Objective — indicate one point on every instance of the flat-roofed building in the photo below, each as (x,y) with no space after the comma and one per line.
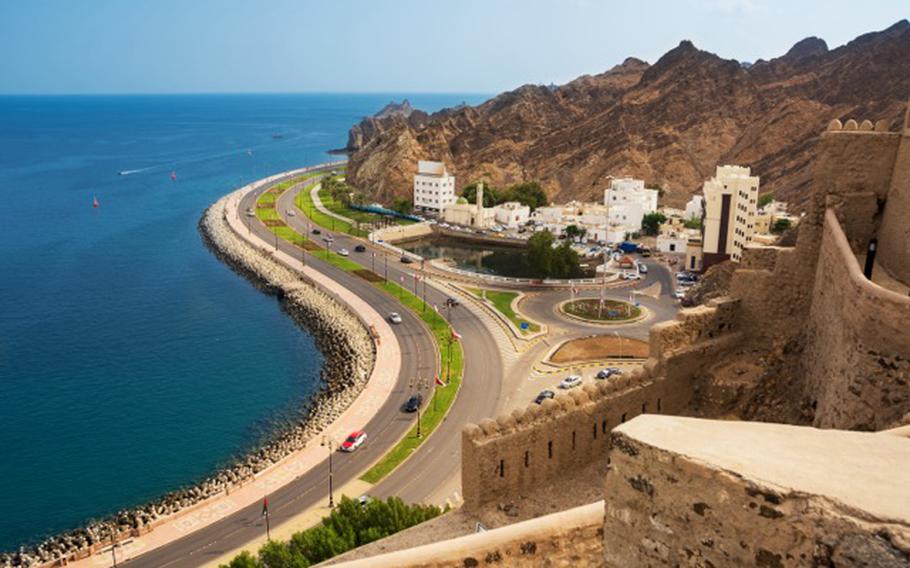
(628,202)
(434,187)
(731,198)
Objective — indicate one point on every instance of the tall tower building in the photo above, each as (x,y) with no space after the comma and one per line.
(731,199)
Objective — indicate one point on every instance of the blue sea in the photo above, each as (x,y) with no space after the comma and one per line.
(132,362)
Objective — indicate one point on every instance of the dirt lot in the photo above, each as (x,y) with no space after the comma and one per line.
(598,348)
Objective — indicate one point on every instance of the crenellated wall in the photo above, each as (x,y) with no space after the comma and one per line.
(513,454)
(857,355)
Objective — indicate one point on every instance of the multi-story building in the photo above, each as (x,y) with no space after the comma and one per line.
(434,187)
(731,198)
(628,202)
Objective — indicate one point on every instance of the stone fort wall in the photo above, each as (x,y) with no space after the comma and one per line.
(531,446)
(857,355)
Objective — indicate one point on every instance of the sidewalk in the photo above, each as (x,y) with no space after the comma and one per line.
(378,388)
(314,197)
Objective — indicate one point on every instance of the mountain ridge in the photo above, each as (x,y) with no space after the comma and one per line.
(669,122)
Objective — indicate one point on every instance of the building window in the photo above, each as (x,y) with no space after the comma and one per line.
(573,439)
(550,449)
(502,468)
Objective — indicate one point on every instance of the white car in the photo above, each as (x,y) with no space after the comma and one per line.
(394,317)
(679,294)
(642,268)
(291,213)
(354,441)
(328,238)
(631,276)
(343,252)
(250,212)
(570,382)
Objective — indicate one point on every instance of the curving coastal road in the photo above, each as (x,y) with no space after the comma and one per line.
(434,465)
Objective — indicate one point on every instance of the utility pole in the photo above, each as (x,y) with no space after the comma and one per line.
(330,442)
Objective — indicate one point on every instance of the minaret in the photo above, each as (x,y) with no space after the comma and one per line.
(478,216)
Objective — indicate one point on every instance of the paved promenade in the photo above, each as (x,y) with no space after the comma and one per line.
(379,387)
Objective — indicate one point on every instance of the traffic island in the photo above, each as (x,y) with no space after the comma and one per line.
(606,311)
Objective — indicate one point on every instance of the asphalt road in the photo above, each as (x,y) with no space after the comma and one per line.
(435,463)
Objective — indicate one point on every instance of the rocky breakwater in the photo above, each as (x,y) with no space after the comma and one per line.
(349,354)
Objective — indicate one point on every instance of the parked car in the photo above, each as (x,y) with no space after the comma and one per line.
(570,382)
(360,248)
(631,276)
(643,268)
(413,403)
(544,395)
(291,213)
(679,294)
(608,372)
(354,441)
(405,259)
(343,252)
(316,232)
(395,317)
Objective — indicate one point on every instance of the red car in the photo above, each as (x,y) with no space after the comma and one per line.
(354,441)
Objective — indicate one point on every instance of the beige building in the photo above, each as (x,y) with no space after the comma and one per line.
(434,187)
(469,214)
(731,198)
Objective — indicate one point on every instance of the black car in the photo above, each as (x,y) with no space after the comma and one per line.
(544,395)
(413,403)
(405,259)
(317,232)
(608,372)
(360,248)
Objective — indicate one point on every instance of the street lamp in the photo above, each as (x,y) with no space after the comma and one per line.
(618,337)
(330,442)
(420,384)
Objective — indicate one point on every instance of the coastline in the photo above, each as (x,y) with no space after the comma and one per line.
(350,356)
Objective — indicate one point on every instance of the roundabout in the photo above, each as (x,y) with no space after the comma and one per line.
(607,311)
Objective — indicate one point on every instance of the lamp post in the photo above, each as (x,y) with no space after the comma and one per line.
(419,384)
(330,442)
(619,338)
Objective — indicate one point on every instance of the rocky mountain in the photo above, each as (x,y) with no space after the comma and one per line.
(669,123)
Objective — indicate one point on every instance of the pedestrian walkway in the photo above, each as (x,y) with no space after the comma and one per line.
(317,202)
(377,390)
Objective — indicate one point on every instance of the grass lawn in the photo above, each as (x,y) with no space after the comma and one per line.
(437,405)
(305,204)
(502,301)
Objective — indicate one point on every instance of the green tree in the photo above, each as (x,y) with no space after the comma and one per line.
(650,223)
(573,231)
(528,193)
(765,199)
(275,554)
(781,226)
(550,262)
(692,223)
(402,205)
(490,194)
(243,560)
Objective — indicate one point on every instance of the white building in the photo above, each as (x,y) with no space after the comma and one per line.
(731,198)
(673,242)
(695,207)
(511,214)
(434,187)
(628,202)
(469,214)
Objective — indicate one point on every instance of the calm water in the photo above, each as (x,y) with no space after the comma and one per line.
(476,257)
(131,361)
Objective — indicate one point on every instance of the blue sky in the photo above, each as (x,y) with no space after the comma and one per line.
(483,46)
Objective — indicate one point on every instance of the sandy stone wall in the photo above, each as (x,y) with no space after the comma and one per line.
(894,236)
(568,538)
(689,492)
(857,357)
(510,456)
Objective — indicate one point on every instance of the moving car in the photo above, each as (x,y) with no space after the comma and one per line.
(405,259)
(316,232)
(343,252)
(643,268)
(570,382)
(291,213)
(354,441)
(360,248)
(394,317)
(608,372)
(413,403)
(250,212)
(544,395)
